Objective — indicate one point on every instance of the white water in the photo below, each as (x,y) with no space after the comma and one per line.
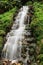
(12,48)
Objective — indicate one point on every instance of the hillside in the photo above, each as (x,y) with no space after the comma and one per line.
(9,10)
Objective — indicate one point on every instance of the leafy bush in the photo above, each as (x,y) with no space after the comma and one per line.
(37,27)
(6,5)
(2,33)
(40,57)
(6,21)
(41,50)
(37,21)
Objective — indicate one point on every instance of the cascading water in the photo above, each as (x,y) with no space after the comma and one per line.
(12,48)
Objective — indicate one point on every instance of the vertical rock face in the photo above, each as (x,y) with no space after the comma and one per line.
(29,46)
(12,48)
(21,44)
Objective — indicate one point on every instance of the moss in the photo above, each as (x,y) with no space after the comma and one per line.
(1,41)
(2,33)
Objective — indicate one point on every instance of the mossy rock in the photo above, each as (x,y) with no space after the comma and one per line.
(31,51)
(40,57)
(1,41)
(32,58)
(41,63)
(1,44)
(41,50)
(2,32)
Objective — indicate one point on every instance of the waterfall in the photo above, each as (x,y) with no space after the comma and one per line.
(13,45)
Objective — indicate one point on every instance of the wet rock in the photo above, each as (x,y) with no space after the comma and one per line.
(32,58)
(21,62)
(16,63)
(27,34)
(13,64)
(4,63)
(30,40)
(23,56)
(32,45)
(28,62)
(27,28)
(34,64)
(15,26)
(37,50)
(24,42)
(31,51)
(24,49)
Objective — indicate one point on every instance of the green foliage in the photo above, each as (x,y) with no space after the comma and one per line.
(41,50)
(2,33)
(37,27)
(40,57)
(6,5)
(41,63)
(6,21)
(37,20)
